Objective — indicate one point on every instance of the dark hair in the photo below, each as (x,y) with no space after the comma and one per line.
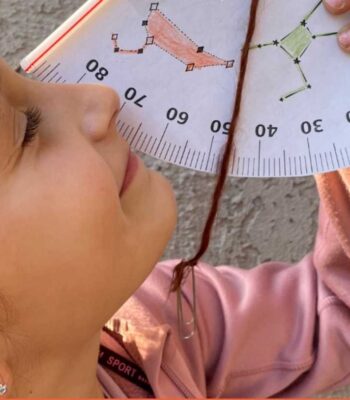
(182,269)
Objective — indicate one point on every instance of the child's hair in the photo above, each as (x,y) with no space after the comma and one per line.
(183,268)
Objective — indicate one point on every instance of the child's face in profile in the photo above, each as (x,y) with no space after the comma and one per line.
(72,248)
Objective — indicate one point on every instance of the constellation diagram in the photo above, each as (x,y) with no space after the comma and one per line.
(163,33)
(295,44)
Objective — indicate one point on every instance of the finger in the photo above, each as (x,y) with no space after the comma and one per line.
(344,38)
(337,6)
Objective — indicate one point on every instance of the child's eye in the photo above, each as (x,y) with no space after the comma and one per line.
(33,121)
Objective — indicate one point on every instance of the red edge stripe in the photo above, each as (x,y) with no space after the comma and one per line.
(65,34)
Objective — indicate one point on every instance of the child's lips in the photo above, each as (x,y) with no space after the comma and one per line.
(130,172)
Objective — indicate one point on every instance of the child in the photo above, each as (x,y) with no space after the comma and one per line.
(83,223)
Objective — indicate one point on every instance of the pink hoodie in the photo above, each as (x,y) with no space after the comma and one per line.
(277,330)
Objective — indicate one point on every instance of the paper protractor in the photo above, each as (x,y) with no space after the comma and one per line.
(175,64)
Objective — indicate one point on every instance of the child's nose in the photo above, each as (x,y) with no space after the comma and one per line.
(100,110)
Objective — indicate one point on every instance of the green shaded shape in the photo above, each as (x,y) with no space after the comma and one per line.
(296,42)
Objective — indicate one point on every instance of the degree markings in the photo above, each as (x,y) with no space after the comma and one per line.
(199,154)
(347,155)
(167,152)
(163,148)
(182,154)
(82,77)
(137,131)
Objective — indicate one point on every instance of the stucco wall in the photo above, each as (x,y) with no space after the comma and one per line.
(260,220)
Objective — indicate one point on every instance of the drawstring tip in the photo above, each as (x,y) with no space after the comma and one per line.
(183,326)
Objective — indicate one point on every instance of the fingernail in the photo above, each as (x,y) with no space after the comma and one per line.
(337,4)
(344,39)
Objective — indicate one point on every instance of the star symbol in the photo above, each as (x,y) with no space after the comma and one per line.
(297,61)
(276,42)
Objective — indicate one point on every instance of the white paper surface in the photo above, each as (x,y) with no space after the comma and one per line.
(172,65)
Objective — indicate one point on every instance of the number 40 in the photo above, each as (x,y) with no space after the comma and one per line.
(261,130)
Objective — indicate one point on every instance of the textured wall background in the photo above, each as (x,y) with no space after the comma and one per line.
(259,220)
